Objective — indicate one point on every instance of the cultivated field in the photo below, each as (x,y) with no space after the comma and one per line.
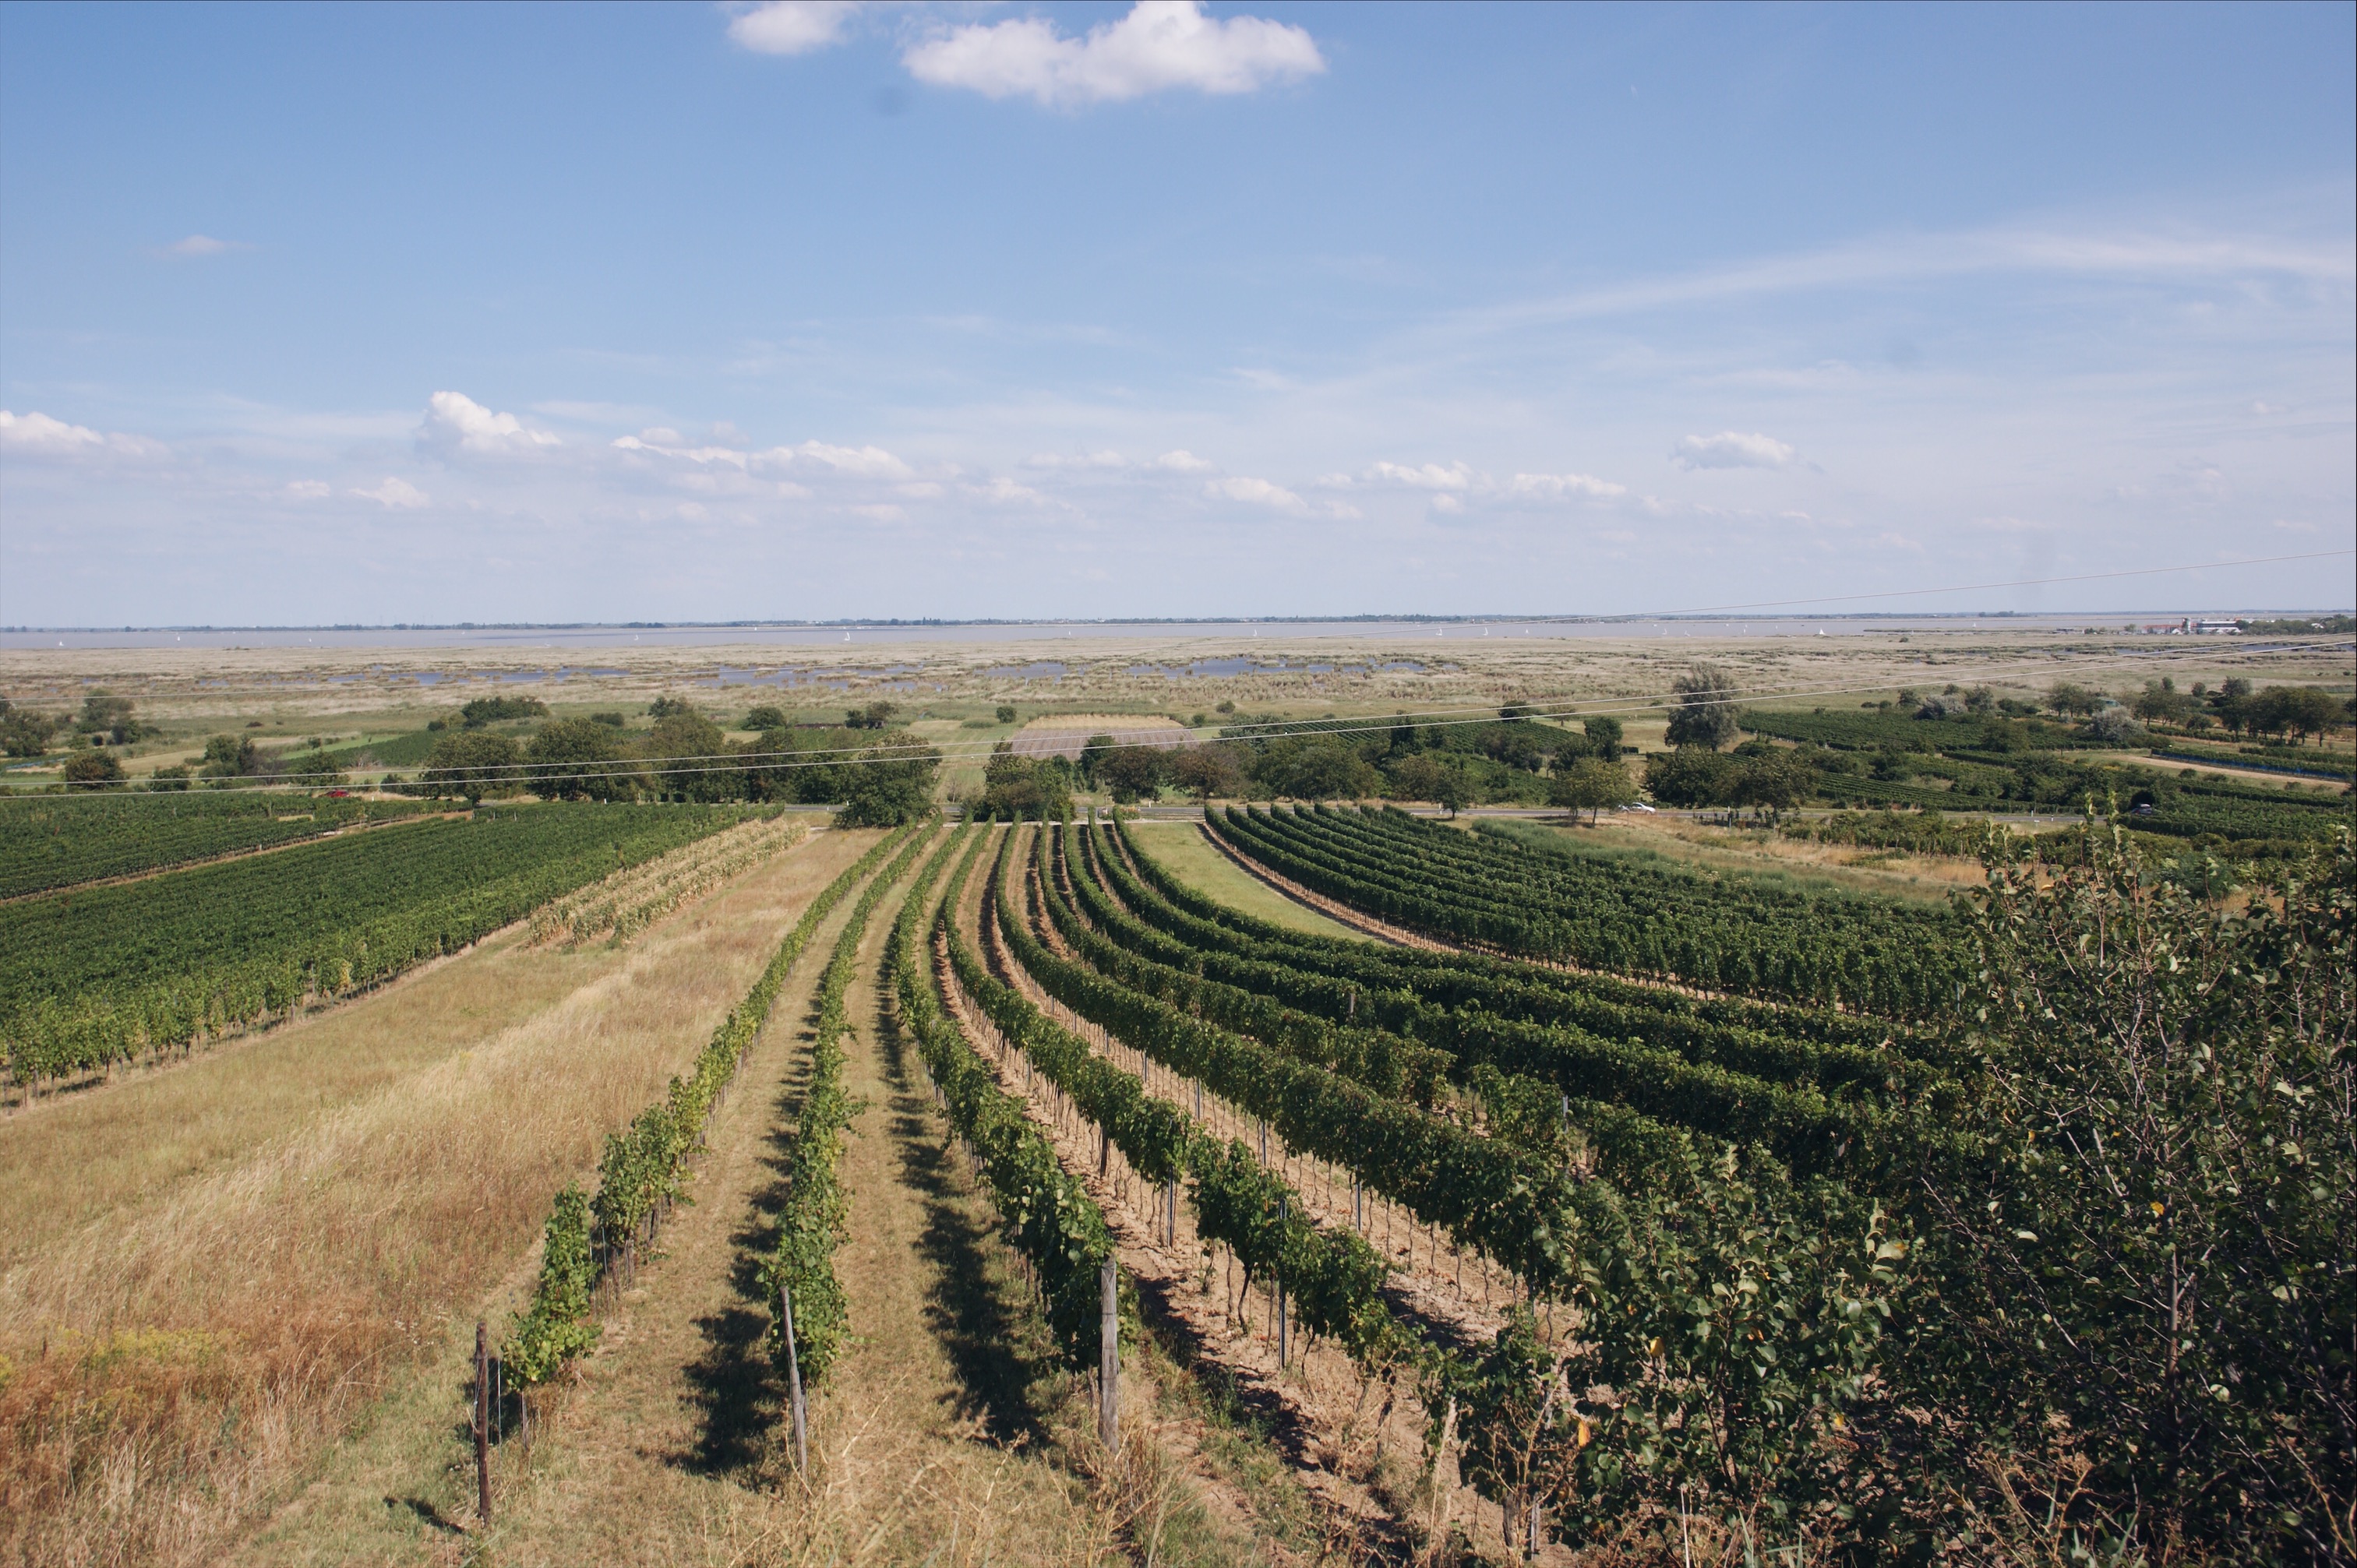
(1798,1172)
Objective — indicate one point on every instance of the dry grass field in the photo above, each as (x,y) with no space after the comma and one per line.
(193,1332)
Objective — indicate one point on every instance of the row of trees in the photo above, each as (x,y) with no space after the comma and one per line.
(2295,712)
(687,757)
(104,720)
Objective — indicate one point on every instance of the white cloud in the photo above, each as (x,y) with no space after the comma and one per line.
(1731,450)
(37,435)
(854,462)
(1105,459)
(455,423)
(1256,492)
(1425,477)
(203,245)
(1564,486)
(396,495)
(791,27)
(1448,503)
(1160,45)
(1180,462)
(671,444)
(1002,490)
(307,491)
(868,462)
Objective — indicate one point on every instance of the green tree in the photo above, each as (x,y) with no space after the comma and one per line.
(1207,772)
(2113,727)
(1775,782)
(94,770)
(1603,737)
(1094,752)
(492,710)
(1007,712)
(1024,789)
(2070,699)
(2152,1258)
(2299,710)
(1132,773)
(765,717)
(24,733)
(887,785)
(230,756)
(2161,702)
(581,760)
(1417,777)
(165,779)
(1455,791)
(1315,768)
(1692,778)
(108,715)
(313,766)
(1591,785)
(1705,715)
(689,759)
(474,764)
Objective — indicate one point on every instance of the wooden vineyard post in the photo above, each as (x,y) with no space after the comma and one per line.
(1109,1359)
(1171,1212)
(794,1383)
(483,1422)
(1282,1342)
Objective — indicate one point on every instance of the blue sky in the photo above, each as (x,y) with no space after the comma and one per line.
(442,313)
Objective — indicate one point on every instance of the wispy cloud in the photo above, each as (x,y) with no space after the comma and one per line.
(1732,449)
(396,494)
(1255,492)
(1159,46)
(1564,486)
(1910,258)
(204,245)
(1424,476)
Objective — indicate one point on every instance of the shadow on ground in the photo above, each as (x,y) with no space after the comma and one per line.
(735,1383)
(992,1344)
